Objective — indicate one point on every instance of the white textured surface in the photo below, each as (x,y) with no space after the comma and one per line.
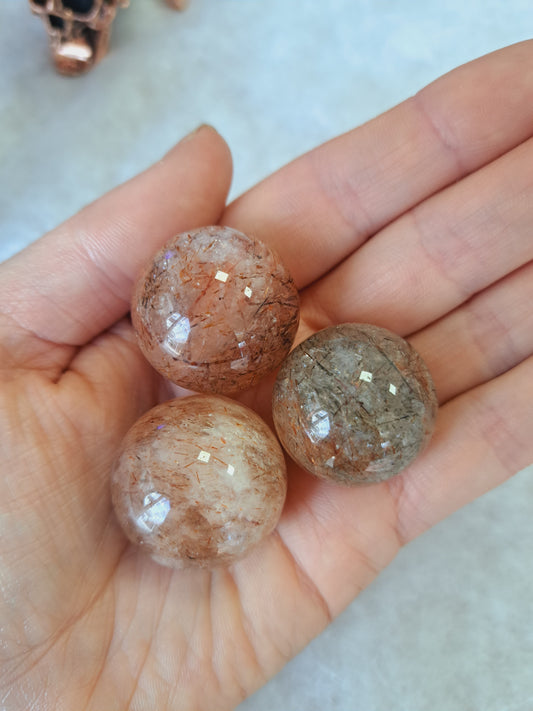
(448,627)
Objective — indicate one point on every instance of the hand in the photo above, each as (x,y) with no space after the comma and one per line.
(419,221)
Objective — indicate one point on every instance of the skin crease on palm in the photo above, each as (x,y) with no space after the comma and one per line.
(419,221)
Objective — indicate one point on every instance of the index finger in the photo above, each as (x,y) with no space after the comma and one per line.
(76,281)
(320,208)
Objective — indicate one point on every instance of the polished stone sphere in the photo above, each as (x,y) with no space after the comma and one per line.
(354,404)
(198,482)
(215,310)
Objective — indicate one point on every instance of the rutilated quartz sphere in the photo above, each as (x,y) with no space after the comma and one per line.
(198,482)
(215,310)
(354,404)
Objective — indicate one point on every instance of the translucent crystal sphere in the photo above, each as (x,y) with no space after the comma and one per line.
(199,481)
(354,403)
(215,310)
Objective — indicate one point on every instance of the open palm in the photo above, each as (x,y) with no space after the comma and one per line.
(419,221)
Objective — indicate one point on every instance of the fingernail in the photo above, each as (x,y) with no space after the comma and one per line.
(197,130)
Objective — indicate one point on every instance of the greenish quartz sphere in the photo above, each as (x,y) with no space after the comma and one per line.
(354,404)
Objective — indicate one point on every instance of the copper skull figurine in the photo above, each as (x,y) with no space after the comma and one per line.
(79,30)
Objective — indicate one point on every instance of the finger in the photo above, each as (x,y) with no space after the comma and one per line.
(320,208)
(483,437)
(483,338)
(76,281)
(343,537)
(436,256)
(488,335)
